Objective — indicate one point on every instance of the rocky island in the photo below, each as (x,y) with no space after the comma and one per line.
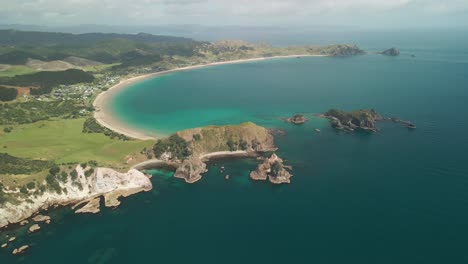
(391,52)
(363,120)
(297,119)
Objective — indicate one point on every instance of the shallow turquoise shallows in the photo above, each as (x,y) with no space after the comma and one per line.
(397,196)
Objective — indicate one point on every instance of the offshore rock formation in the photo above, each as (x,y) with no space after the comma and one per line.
(34,228)
(342,50)
(297,119)
(272,169)
(408,124)
(20,250)
(391,52)
(41,218)
(363,120)
(103,182)
(190,149)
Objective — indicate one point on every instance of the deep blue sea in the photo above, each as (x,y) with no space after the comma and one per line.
(396,196)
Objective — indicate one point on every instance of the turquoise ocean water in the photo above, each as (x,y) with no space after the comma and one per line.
(397,196)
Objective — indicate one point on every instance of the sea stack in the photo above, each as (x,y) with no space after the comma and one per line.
(272,169)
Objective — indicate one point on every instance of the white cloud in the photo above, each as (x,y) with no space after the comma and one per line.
(258,12)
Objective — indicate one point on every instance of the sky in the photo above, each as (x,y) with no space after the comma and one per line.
(356,13)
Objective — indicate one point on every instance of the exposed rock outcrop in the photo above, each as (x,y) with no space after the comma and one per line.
(391,52)
(297,119)
(34,228)
(191,169)
(272,169)
(41,218)
(407,124)
(20,250)
(103,182)
(92,207)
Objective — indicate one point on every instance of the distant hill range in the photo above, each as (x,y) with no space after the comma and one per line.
(37,59)
(33,38)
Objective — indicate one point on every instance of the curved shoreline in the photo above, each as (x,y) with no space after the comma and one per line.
(105,117)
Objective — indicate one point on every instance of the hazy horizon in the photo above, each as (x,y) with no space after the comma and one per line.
(356,14)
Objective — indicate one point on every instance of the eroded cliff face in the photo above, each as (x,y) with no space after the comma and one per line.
(103,182)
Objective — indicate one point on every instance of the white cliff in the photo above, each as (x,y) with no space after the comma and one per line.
(103,182)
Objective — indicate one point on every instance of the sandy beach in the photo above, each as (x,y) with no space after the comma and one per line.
(106,118)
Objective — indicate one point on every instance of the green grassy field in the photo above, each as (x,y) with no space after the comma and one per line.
(63,142)
(16,70)
(99,68)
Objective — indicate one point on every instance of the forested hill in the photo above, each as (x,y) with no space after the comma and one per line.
(25,38)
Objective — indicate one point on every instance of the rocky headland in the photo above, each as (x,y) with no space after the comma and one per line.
(189,150)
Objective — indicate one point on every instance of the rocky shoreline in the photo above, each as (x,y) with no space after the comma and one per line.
(104,182)
(188,151)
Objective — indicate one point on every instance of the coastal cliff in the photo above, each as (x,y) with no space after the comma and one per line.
(191,148)
(103,182)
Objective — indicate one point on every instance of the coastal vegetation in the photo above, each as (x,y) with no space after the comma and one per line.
(33,111)
(90,125)
(228,138)
(175,146)
(8,94)
(46,80)
(14,165)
